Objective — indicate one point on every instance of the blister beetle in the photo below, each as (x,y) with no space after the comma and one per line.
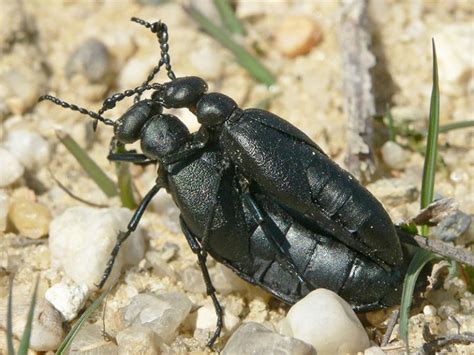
(250,233)
(282,216)
(281,160)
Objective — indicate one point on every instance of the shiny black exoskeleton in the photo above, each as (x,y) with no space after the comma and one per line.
(258,195)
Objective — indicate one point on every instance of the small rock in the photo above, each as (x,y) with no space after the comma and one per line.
(394,155)
(374,350)
(326,321)
(429,310)
(206,320)
(11,169)
(22,90)
(85,233)
(90,341)
(134,71)
(168,251)
(160,267)
(253,338)
(30,218)
(137,340)
(30,148)
(448,308)
(207,61)
(4,206)
(394,191)
(193,281)
(455,58)
(226,281)
(90,59)
(452,226)
(297,35)
(68,298)
(162,313)
(47,329)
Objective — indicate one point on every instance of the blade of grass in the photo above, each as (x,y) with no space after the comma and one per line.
(421,258)
(25,338)
(124,179)
(10,347)
(89,165)
(246,60)
(427,190)
(75,330)
(456,125)
(228,17)
(390,125)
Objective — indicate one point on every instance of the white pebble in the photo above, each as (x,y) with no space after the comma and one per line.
(254,338)
(206,320)
(374,350)
(394,155)
(90,341)
(68,298)
(193,281)
(82,238)
(326,321)
(429,310)
(30,148)
(11,169)
(207,61)
(138,340)
(4,205)
(47,328)
(134,71)
(162,313)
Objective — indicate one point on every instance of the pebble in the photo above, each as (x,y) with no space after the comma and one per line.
(454,43)
(225,281)
(451,227)
(193,281)
(91,59)
(321,318)
(21,90)
(68,298)
(11,169)
(85,233)
(47,329)
(394,191)
(207,61)
(297,35)
(206,320)
(90,341)
(4,206)
(254,338)
(134,72)
(30,148)
(429,310)
(448,308)
(374,350)
(394,155)
(160,266)
(137,340)
(30,218)
(162,313)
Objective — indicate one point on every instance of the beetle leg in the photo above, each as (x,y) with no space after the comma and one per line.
(127,156)
(261,219)
(199,142)
(132,225)
(211,291)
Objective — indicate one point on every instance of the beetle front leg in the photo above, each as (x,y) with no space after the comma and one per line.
(132,225)
(211,291)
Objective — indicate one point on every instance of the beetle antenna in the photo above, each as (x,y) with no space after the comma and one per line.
(161,31)
(95,116)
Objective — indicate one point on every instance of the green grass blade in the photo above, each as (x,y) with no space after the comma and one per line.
(245,59)
(427,190)
(228,17)
(427,187)
(10,347)
(421,258)
(25,338)
(456,125)
(124,179)
(390,125)
(89,165)
(75,330)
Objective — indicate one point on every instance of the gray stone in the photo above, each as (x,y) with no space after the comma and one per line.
(394,155)
(90,59)
(90,341)
(452,226)
(137,340)
(193,281)
(254,338)
(163,313)
(11,169)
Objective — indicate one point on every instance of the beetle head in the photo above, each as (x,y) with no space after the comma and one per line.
(181,92)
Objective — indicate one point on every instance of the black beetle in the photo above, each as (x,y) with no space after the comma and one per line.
(251,234)
(281,160)
(258,195)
